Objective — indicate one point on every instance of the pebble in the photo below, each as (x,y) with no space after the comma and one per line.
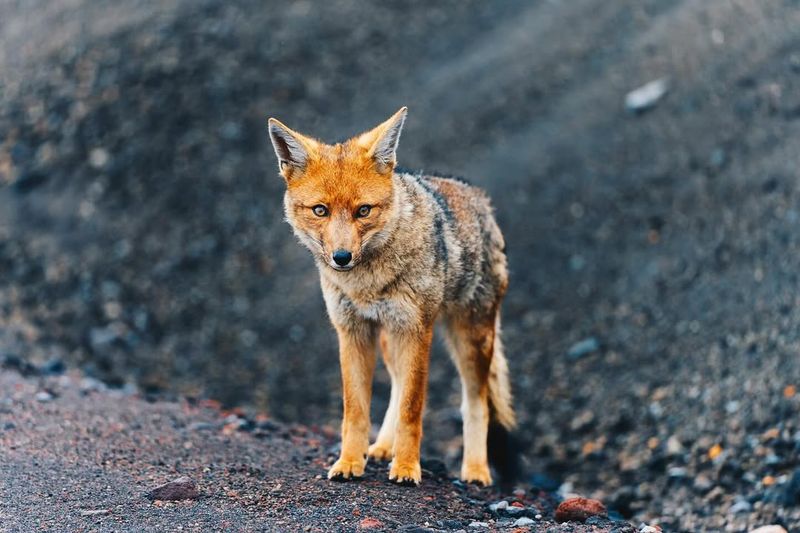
(95,512)
(582,348)
(202,426)
(524,521)
(646,96)
(579,509)
(91,385)
(769,529)
(742,506)
(674,446)
(98,158)
(477,525)
(649,529)
(370,523)
(677,472)
(499,506)
(182,488)
(702,484)
(44,396)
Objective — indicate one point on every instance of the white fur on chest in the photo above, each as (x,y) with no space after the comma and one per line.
(396,311)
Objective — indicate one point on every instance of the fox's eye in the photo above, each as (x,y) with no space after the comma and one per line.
(363,211)
(320,210)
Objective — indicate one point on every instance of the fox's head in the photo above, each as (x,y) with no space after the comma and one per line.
(339,198)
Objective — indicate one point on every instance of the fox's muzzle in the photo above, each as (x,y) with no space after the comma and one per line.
(342,257)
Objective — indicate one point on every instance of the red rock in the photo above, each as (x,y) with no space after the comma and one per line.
(579,509)
(182,488)
(370,523)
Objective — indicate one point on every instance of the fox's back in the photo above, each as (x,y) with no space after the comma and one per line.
(468,241)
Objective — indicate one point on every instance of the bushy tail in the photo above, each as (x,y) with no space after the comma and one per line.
(503,447)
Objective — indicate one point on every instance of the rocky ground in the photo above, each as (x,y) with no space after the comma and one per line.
(78,457)
(652,321)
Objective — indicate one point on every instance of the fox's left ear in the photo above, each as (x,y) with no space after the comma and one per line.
(381,142)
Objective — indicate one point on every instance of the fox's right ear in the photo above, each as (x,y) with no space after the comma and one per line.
(293,150)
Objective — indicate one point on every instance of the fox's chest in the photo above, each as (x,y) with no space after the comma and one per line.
(393,310)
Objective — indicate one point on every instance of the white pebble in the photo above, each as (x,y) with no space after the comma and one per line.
(647,95)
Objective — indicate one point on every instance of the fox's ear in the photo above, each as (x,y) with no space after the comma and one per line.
(381,142)
(293,149)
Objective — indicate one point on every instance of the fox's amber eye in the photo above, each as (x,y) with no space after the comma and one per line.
(320,210)
(363,211)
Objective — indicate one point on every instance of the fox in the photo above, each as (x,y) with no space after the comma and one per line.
(397,253)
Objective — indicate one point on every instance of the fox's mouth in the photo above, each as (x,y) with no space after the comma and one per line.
(341,268)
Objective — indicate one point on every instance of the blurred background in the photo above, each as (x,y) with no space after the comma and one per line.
(652,322)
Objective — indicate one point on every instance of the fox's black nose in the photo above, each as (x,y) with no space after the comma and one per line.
(342,257)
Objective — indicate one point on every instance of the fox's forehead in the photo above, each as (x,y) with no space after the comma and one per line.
(341,174)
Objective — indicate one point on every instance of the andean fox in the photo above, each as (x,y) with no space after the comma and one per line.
(398,252)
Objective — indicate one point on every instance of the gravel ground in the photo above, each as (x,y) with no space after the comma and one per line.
(77,457)
(652,321)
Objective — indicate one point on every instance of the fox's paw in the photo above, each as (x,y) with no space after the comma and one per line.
(380,452)
(405,473)
(476,473)
(345,469)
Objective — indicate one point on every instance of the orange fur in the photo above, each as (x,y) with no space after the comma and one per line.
(417,249)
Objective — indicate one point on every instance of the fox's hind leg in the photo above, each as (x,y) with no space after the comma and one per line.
(471,341)
(382,448)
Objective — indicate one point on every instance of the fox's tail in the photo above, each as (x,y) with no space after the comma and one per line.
(503,447)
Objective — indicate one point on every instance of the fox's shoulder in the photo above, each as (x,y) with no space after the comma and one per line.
(452,193)
(444,186)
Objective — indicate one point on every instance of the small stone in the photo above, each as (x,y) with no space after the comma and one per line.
(44,396)
(499,506)
(646,96)
(95,512)
(88,385)
(742,506)
(98,158)
(370,523)
(524,521)
(769,529)
(584,347)
(702,484)
(674,446)
(478,525)
(649,529)
(182,488)
(202,426)
(677,472)
(579,509)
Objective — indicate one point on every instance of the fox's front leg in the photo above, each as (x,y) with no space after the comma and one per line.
(357,358)
(411,351)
